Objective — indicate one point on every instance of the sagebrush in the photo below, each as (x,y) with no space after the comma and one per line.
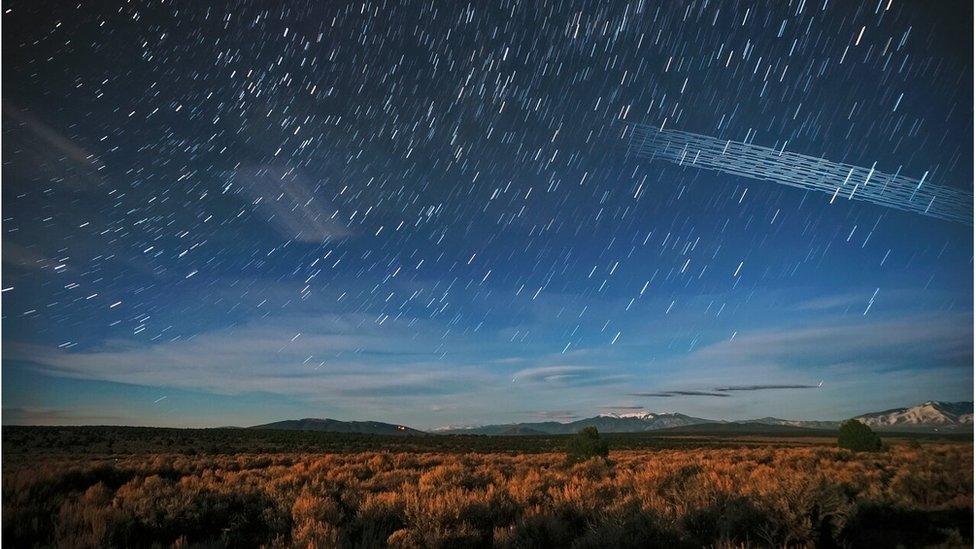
(698,497)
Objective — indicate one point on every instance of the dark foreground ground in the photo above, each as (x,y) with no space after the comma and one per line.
(141,487)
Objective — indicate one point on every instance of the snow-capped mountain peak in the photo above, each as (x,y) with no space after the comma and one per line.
(928,416)
(640,414)
(932,412)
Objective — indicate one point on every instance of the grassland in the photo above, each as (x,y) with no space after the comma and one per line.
(127,487)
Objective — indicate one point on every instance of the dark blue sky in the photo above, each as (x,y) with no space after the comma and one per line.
(426,212)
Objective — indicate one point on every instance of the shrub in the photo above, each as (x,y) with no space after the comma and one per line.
(858,437)
(787,494)
(585,445)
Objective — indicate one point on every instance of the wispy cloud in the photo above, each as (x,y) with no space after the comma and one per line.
(720,392)
(45,149)
(25,257)
(50,136)
(928,338)
(316,358)
(834,347)
(348,363)
(291,203)
(830,302)
(669,394)
(434,385)
(762,387)
(568,375)
(789,361)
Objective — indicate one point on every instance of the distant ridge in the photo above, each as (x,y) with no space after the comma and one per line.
(931,415)
(744,428)
(610,423)
(336,426)
(521,430)
(806,424)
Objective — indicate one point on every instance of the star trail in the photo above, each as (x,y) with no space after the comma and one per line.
(434,212)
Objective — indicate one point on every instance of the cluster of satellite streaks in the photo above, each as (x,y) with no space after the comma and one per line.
(427,211)
(805,172)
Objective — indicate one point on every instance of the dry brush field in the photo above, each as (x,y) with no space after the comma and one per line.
(913,494)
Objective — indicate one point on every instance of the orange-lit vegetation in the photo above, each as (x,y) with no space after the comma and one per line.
(911,493)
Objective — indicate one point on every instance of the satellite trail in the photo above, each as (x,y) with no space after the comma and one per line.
(841,181)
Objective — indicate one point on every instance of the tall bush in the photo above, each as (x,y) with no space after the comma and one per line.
(585,445)
(858,437)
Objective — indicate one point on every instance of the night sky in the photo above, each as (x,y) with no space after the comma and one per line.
(427,213)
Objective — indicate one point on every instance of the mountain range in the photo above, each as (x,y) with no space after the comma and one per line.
(607,423)
(944,415)
(336,426)
(931,416)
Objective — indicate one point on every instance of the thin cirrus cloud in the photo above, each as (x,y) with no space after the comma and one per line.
(721,392)
(918,342)
(26,257)
(291,204)
(318,358)
(397,366)
(918,338)
(434,386)
(669,394)
(576,376)
(53,145)
(762,387)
